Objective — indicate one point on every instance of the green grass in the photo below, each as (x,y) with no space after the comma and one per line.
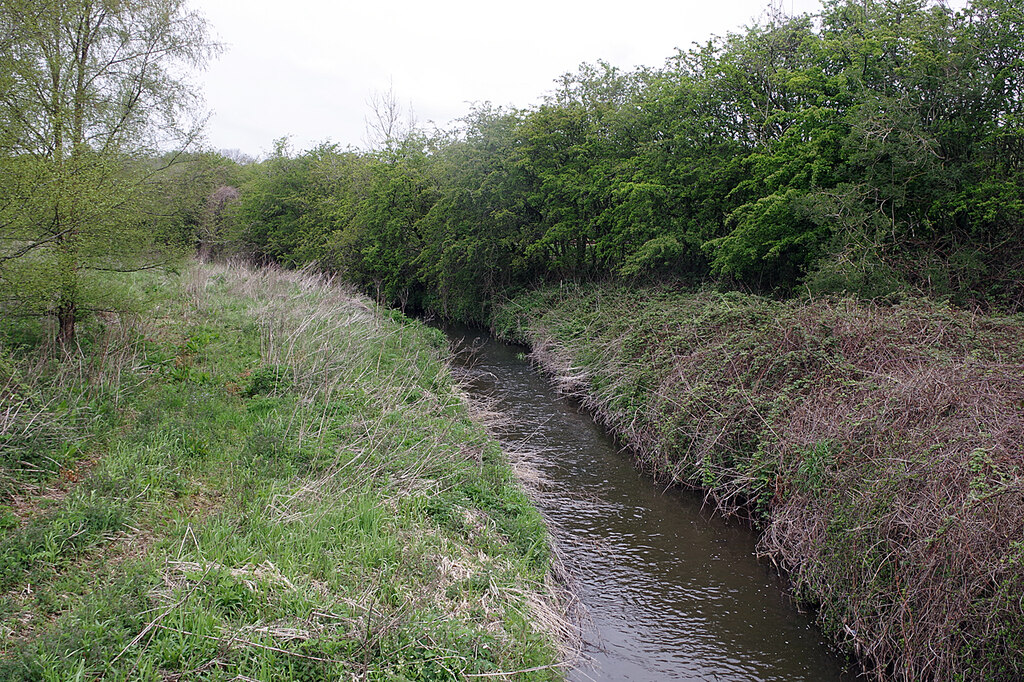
(271,481)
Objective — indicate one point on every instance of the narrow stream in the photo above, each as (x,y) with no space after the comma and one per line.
(672,591)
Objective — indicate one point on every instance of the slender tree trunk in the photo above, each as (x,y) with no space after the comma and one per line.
(67,303)
(66,314)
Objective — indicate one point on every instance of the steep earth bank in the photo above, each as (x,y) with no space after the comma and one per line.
(878,447)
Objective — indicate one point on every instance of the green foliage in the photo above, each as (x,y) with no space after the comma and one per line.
(271,207)
(656,254)
(266,380)
(872,149)
(92,92)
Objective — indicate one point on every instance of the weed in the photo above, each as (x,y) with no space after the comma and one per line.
(878,446)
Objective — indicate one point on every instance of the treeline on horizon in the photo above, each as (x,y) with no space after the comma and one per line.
(876,148)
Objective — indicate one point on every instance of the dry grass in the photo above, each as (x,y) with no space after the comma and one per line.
(334,349)
(925,472)
(880,448)
(50,425)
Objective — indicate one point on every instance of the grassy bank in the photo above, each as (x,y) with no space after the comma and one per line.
(261,478)
(879,447)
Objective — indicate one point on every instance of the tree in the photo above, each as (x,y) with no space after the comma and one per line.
(91,95)
(474,235)
(272,205)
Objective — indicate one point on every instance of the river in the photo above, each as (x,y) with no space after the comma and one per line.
(672,591)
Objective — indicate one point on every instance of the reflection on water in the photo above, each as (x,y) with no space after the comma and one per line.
(673,593)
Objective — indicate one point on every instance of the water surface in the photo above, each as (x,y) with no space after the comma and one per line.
(672,591)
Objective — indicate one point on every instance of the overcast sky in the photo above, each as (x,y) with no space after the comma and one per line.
(307,68)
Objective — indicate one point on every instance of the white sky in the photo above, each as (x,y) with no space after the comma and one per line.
(307,68)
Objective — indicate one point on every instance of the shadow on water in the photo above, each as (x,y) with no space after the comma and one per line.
(672,591)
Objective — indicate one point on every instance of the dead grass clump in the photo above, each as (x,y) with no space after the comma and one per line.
(900,490)
(51,399)
(555,609)
(880,448)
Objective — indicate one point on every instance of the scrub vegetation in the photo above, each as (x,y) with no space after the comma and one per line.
(875,149)
(879,448)
(775,265)
(263,477)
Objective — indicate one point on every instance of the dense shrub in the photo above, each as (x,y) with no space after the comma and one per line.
(878,446)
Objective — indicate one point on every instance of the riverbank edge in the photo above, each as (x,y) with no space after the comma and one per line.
(877,448)
(271,479)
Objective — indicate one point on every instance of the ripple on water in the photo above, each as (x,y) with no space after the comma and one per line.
(672,592)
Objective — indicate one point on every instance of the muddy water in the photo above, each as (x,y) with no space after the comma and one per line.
(672,591)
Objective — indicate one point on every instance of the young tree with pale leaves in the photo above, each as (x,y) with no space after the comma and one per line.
(91,93)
